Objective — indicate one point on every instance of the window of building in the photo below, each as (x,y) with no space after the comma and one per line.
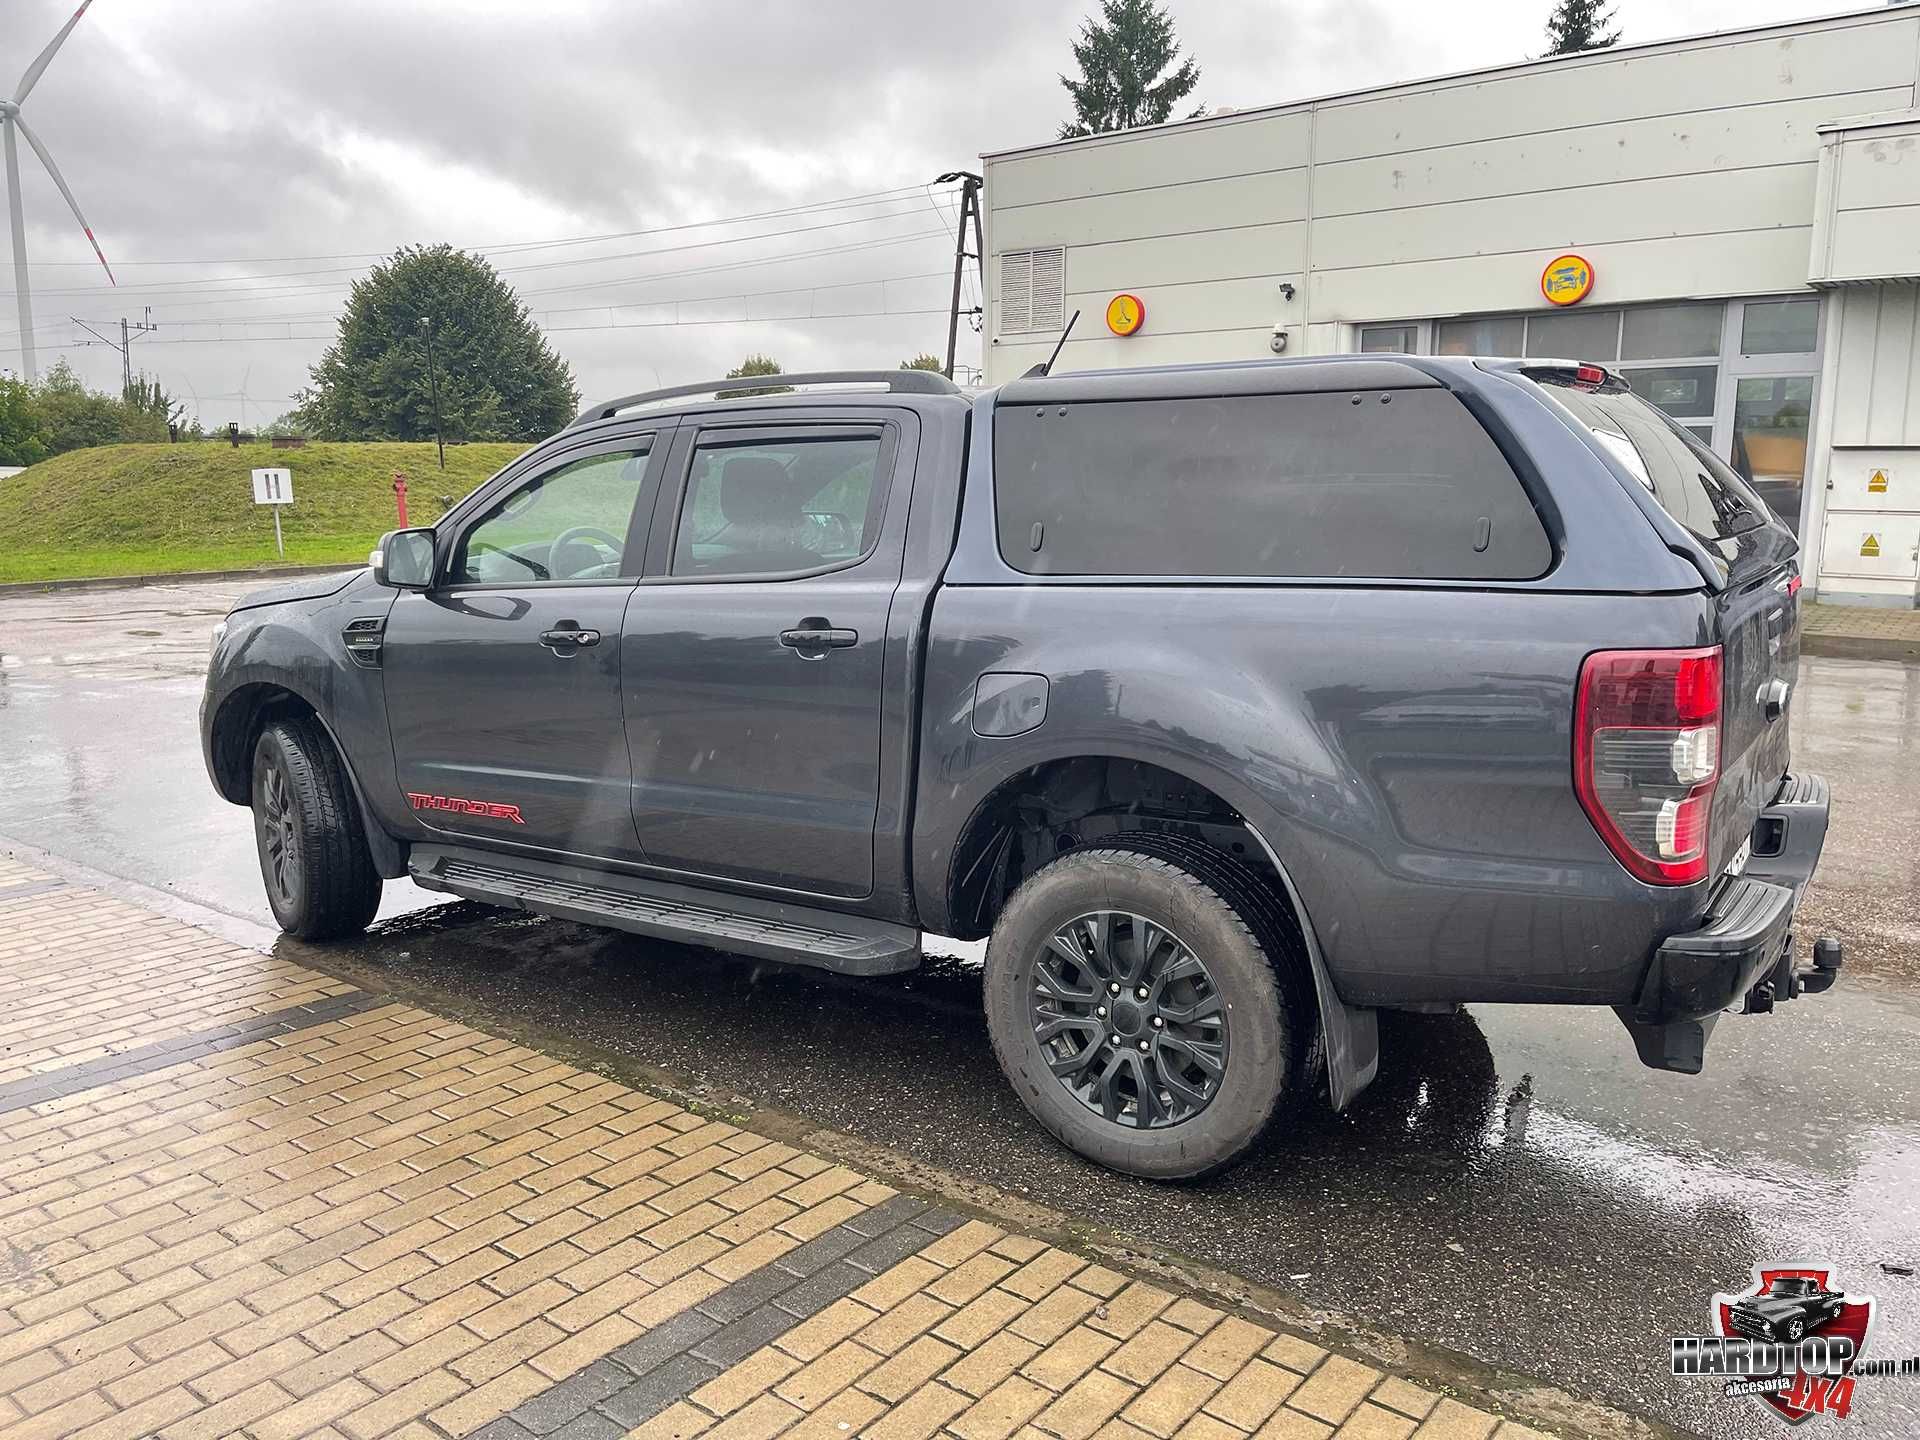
(779,506)
(1389,339)
(1780,327)
(1665,332)
(1491,335)
(1575,335)
(1262,485)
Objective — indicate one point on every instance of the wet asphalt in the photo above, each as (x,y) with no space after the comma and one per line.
(1515,1188)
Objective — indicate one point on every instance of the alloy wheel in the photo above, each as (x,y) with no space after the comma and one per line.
(1129,1019)
(279,833)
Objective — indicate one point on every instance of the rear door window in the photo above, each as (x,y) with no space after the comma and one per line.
(1690,482)
(1386,485)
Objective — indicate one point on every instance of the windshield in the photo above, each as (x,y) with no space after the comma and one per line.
(1789,1286)
(1692,484)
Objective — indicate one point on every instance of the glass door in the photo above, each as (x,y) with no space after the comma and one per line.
(1766,401)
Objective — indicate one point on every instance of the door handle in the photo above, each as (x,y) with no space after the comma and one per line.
(567,635)
(814,636)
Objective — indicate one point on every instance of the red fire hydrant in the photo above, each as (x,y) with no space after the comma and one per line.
(400,495)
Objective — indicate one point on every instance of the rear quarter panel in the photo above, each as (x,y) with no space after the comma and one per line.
(1406,752)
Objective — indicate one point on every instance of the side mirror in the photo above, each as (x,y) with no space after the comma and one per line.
(404,559)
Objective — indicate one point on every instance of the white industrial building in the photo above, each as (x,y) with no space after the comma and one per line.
(1743,209)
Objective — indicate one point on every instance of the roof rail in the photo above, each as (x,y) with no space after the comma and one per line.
(913,382)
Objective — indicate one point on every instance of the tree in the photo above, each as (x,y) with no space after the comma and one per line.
(73,416)
(146,410)
(1577,25)
(498,378)
(751,366)
(1123,57)
(925,362)
(23,433)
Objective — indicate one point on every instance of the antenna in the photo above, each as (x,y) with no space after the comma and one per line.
(1059,345)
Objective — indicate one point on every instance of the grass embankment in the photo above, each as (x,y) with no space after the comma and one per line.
(149,509)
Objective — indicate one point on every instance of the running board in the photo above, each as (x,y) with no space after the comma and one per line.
(747,925)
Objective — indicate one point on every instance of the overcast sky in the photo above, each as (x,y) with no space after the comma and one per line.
(292,142)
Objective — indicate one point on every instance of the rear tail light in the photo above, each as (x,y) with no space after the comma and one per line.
(1646,756)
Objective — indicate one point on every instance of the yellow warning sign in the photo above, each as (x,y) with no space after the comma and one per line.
(1870,547)
(1877,483)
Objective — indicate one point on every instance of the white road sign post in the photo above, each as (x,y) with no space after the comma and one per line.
(274,486)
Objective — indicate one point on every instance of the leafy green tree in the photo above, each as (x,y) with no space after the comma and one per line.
(498,379)
(1127,72)
(756,365)
(1577,25)
(925,362)
(75,417)
(145,410)
(23,434)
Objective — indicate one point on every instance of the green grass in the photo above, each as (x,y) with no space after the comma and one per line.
(153,509)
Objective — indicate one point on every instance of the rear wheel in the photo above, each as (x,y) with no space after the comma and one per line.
(320,879)
(1142,1001)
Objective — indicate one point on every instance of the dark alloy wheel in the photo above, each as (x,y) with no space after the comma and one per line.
(1130,1019)
(319,874)
(1146,1000)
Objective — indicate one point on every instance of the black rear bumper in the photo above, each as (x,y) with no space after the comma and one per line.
(1742,952)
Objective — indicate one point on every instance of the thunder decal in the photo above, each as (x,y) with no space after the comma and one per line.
(491,809)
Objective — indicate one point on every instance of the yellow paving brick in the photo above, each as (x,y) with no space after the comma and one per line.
(761,1420)
(1149,1352)
(819,1333)
(820,1380)
(894,1284)
(911,1317)
(764,1249)
(988,1364)
(1190,1314)
(1251,1396)
(1069,1357)
(1290,1424)
(1204,1427)
(961,1244)
(679,1421)
(822,1217)
(1450,1420)
(918,1416)
(1336,1386)
(244,1373)
(305,1418)
(1056,1314)
(1100,1281)
(412,1361)
(517,1347)
(1001,1411)
(847,1413)
(1046,1271)
(1126,1313)
(1375,1422)
(409,1402)
(912,1367)
(486,1402)
(1227,1347)
(733,1388)
(1404,1396)
(967,1279)
(983,1317)
(1093,1400)
(1298,1355)
(669,1300)
(584,1347)
(1169,1402)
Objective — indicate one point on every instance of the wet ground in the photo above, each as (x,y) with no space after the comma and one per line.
(1515,1188)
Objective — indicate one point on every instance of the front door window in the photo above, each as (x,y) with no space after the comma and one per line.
(1770,418)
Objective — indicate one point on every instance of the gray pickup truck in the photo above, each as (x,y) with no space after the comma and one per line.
(1234,703)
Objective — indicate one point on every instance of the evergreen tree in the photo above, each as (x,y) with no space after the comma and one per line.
(1125,56)
(756,365)
(1577,25)
(498,378)
(925,362)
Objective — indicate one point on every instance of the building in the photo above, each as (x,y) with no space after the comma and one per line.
(1733,221)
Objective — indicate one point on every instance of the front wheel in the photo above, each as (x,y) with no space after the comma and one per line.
(1142,1001)
(320,879)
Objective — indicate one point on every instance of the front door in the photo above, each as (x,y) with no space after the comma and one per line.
(503,681)
(755,651)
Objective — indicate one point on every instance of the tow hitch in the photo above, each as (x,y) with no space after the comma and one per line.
(1787,983)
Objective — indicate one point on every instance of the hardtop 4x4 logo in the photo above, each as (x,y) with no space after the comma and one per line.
(1791,1340)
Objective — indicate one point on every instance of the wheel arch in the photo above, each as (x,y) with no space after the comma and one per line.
(1038,811)
(237,723)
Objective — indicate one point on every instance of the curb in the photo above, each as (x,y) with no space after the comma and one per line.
(1861,647)
(123,582)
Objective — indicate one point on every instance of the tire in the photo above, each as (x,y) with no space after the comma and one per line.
(1216,911)
(1796,1330)
(320,879)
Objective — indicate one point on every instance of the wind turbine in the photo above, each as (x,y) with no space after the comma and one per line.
(11,120)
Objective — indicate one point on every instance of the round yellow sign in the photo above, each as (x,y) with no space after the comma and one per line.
(1125,314)
(1567,280)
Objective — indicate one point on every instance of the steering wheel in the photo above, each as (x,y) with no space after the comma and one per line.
(583,532)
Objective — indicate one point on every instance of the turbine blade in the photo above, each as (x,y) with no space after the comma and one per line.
(72,204)
(45,57)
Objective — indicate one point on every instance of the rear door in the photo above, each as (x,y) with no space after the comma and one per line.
(503,680)
(754,655)
(1757,611)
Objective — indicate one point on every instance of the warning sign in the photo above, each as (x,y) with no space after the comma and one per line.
(1870,547)
(1877,483)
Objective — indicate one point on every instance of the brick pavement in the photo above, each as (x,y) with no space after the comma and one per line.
(238,1197)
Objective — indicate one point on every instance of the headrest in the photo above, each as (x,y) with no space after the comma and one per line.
(755,492)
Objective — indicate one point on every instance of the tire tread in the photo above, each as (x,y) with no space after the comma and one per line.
(340,885)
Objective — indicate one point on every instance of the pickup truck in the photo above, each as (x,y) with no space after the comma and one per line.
(1233,703)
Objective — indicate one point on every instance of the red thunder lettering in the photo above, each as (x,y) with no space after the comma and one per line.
(490,809)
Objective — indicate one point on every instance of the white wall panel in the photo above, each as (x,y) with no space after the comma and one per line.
(1139,265)
(1170,210)
(1865,53)
(1103,351)
(1152,157)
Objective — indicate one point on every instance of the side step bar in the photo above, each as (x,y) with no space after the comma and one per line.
(747,925)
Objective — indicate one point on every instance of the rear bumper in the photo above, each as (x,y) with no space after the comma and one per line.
(1742,952)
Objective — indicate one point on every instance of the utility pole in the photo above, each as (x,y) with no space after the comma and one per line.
(433,379)
(969,208)
(130,331)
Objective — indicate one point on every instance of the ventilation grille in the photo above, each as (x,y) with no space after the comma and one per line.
(1033,290)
